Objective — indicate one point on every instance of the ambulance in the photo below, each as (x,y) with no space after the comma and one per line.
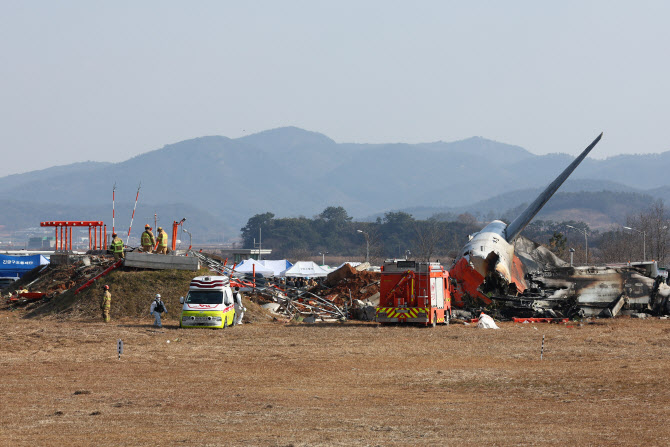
(208,304)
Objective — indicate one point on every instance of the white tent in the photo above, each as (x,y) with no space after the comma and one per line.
(351,263)
(328,268)
(305,269)
(277,266)
(247,266)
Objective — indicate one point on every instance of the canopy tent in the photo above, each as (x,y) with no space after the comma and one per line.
(277,266)
(354,264)
(328,268)
(247,266)
(18,265)
(305,269)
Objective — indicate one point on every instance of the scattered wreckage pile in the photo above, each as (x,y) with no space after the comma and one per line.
(339,297)
(347,293)
(555,290)
(591,291)
(558,290)
(48,281)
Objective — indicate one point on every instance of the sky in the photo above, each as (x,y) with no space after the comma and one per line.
(105,81)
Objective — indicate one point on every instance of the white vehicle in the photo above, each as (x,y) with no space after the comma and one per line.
(209,303)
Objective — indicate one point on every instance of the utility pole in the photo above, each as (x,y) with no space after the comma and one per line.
(260,243)
(367,245)
(586,239)
(644,242)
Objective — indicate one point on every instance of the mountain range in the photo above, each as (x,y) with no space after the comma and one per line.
(217,183)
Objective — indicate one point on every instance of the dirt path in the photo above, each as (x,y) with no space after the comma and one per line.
(352,384)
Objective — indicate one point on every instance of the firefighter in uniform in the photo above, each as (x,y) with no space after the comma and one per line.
(117,247)
(148,240)
(162,241)
(106,304)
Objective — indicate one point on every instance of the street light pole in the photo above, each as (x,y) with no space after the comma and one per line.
(190,239)
(586,239)
(323,258)
(367,245)
(644,242)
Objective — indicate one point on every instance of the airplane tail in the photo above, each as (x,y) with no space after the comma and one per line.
(524,218)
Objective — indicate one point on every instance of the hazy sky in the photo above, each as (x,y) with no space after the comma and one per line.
(104,81)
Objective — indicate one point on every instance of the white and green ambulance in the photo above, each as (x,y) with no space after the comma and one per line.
(208,304)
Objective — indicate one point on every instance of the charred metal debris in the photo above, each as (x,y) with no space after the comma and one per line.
(589,291)
(347,293)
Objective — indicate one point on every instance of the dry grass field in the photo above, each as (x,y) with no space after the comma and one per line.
(272,384)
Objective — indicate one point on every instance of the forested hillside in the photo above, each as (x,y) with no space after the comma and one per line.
(291,172)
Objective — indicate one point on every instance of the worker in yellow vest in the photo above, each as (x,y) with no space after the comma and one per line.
(116,247)
(148,240)
(106,304)
(162,241)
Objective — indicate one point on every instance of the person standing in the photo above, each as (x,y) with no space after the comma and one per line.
(162,241)
(156,309)
(148,240)
(239,307)
(116,247)
(106,304)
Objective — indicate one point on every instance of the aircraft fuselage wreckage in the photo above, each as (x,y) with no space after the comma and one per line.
(488,265)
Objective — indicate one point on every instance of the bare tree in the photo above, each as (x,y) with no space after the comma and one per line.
(467,218)
(428,237)
(658,232)
(376,246)
(650,230)
(647,237)
(616,246)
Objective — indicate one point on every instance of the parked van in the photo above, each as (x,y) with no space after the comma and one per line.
(209,303)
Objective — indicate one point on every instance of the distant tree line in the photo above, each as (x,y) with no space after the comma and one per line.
(400,235)
(397,234)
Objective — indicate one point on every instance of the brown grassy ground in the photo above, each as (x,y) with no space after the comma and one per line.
(272,384)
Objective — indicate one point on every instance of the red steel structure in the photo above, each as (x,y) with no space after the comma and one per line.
(64,243)
(175,232)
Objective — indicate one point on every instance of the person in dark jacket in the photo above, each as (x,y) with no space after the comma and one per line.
(157,308)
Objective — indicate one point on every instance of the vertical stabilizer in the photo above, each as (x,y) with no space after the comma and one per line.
(524,218)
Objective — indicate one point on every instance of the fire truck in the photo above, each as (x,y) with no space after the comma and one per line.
(414,292)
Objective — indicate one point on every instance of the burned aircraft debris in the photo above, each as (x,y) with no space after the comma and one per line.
(590,291)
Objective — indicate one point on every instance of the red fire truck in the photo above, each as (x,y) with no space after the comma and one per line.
(414,292)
